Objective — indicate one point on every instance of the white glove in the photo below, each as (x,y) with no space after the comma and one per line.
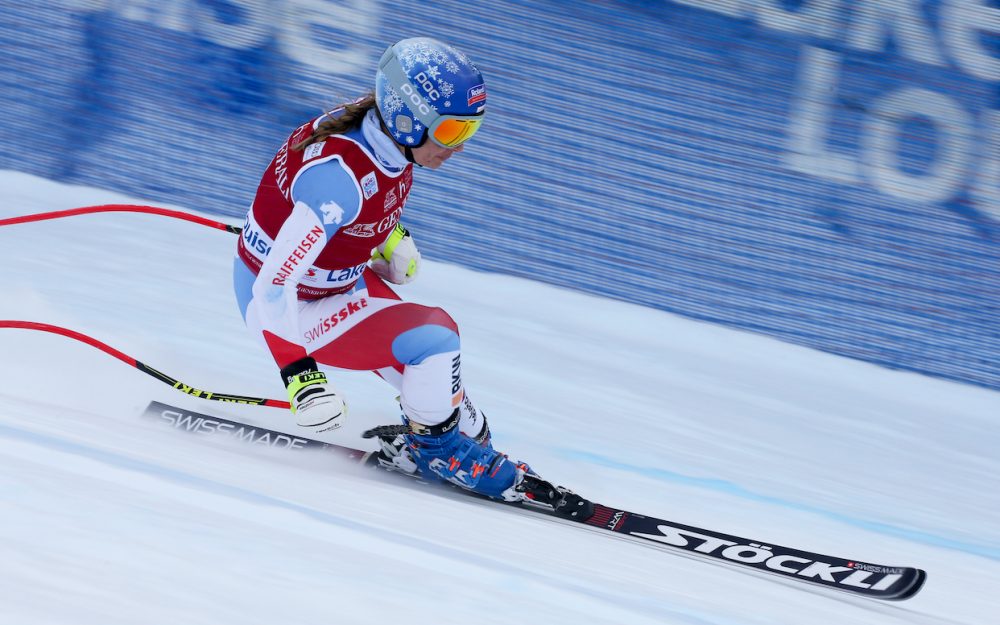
(315,402)
(397,259)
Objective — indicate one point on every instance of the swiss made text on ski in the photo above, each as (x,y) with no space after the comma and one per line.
(854,576)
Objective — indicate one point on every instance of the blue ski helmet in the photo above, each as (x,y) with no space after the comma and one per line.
(426,88)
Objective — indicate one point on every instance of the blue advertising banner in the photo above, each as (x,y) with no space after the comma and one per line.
(823,171)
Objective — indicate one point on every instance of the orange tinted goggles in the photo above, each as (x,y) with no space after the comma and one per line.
(452,131)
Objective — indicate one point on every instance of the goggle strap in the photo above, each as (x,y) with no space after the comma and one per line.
(392,68)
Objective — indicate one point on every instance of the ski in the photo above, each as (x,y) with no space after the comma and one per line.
(853,576)
(861,578)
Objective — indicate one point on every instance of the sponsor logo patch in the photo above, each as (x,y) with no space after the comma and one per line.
(373,229)
(369,185)
(365,231)
(312,151)
(390,199)
(477,94)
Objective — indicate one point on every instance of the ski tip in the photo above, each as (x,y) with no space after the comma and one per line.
(918,582)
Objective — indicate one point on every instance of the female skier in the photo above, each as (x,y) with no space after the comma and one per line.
(324,234)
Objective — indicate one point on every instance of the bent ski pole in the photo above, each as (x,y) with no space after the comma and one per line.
(121,208)
(162,377)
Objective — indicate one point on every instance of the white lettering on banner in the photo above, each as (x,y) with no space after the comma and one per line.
(251,30)
(954,146)
(168,15)
(965,153)
(248,26)
(816,18)
(305,27)
(986,189)
(732,8)
(868,25)
(874,22)
(961,36)
(299,26)
(809,117)
(963,24)
(878,146)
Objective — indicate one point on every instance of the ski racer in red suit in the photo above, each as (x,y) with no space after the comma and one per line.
(324,234)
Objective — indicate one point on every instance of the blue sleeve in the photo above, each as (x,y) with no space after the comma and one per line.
(331,191)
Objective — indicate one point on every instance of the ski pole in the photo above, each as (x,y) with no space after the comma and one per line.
(121,208)
(166,379)
(162,377)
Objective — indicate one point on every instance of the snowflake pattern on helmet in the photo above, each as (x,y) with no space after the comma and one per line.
(447,80)
(427,53)
(390,104)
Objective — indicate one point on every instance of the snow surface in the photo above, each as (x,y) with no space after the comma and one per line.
(106,518)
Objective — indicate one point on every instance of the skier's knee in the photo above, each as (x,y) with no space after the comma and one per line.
(420,343)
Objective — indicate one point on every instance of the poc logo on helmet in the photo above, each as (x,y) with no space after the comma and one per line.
(424,81)
(415,99)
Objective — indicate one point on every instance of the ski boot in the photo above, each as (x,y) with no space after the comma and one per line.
(394,452)
(442,452)
(402,450)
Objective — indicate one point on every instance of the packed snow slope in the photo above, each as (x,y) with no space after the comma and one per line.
(106,518)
